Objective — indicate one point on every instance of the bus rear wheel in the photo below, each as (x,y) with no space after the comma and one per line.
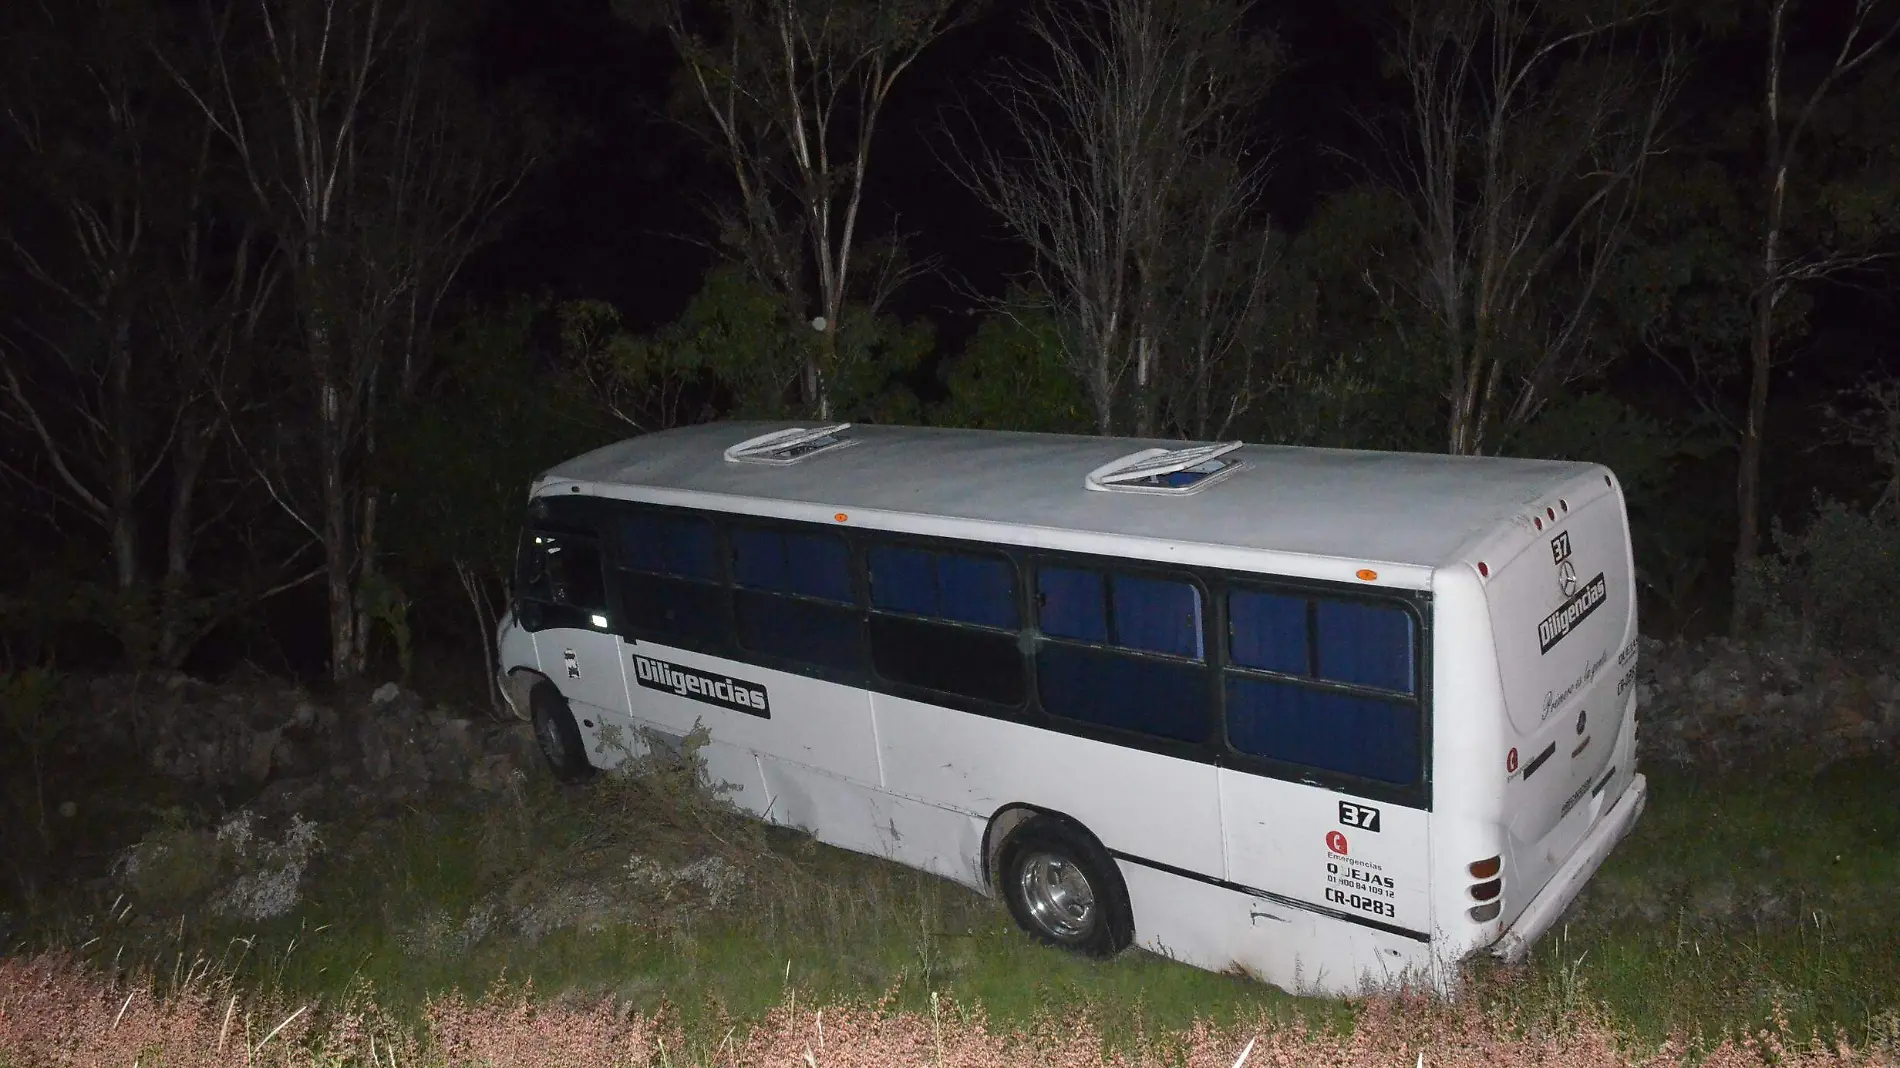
(1063,889)
(557,735)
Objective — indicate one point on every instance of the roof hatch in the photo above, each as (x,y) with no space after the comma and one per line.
(789,446)
(1169,471)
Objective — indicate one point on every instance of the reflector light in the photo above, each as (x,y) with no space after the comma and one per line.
(1551,512)
(1539,522)
(1366,574)
(1485,913)
(841,517)
(1484,869)
(1484,570)
(1487,891)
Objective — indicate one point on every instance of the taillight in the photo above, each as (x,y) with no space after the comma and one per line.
(1486,889)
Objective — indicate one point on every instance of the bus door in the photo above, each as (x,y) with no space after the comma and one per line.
(561,598)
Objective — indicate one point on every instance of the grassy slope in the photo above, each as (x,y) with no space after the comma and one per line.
(1729,900)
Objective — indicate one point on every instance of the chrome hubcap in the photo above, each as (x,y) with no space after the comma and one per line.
(1057,895)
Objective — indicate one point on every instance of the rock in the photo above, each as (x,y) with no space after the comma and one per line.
(263,745)
(385,694)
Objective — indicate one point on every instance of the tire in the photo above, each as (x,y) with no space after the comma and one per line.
(1063,889)
(557,735)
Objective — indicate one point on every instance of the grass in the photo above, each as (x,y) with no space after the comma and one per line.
(1733,901)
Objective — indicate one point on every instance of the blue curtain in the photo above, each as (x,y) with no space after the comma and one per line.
(1072,604)
(758,559)
(1267,631)
(1158,616)
(819,566)
(977,589)
(903,580)
(1370,645)
(1361,736)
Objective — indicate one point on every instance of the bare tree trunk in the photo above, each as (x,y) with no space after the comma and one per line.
(794,96)
(174,626)
(1516,172)
(486,620)
(1783,129)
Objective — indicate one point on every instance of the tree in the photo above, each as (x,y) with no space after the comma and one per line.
(1521,158)
(734,350)
(1854,215)
(150,288)
(1129,182)
(791,92)
(1013,375)
(462,455)
(377,172)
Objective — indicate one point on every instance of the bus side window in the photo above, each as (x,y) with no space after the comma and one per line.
(1122,651)
(794,597)
(670,585)
(1297,717)
(946,621)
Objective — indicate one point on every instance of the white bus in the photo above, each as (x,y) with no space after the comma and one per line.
(1334,719)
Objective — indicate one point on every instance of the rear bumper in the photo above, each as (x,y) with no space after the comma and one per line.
(1564,886)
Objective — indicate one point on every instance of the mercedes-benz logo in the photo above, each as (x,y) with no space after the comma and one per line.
(1567,578)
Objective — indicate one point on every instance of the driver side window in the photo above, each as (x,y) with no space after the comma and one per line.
(560,573)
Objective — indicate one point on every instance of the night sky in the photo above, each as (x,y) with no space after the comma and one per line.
(619,216)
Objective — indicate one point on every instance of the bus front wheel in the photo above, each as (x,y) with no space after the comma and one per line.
(1064,890)
(557,735)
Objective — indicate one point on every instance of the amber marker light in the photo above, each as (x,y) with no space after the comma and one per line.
(841,517)
(1366,574)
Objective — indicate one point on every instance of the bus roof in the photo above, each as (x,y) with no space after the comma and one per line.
(1421,509)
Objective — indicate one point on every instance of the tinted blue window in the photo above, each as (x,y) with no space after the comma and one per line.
(1112,690)
(818,634)
(1370,645)
(1267,631)
(818,566)
(1157,616)
(758,559)
(903,580)
(1072,604)
(1362,736)
(977,589)
(668,545)
(814,565)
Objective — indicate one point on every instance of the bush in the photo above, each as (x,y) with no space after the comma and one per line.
(1833,586)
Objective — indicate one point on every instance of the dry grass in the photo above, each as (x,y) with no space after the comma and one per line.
(55,1011)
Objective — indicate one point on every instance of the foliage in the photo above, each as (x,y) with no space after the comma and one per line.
(1831,586)
(1351,378)
(1013,375)
(738,351)
(32,728)
(460,457)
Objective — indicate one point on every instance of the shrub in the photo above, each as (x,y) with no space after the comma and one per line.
(1833,586)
